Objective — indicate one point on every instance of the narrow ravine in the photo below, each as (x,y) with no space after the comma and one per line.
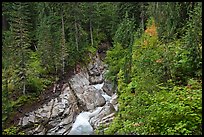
(86,101)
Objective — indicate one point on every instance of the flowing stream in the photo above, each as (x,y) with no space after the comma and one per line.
(86,101)
(82,125)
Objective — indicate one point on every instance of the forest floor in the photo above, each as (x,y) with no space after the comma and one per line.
(43,98)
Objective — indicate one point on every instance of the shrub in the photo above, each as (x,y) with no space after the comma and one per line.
(13,130)
(169,111)
(35,84)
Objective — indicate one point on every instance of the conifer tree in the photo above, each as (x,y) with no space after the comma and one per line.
(19,27)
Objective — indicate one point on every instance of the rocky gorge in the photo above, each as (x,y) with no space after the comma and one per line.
(86,101)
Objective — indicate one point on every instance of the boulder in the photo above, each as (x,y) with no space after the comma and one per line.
(91,98)
(95,80)
(106,110)
(85,91)
(54,117)
(81,79)
(106,120)
(114,99)
(108,88)
(25,121)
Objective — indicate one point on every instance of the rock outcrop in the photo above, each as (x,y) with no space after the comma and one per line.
(86,101)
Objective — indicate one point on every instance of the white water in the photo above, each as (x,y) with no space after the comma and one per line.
(82,126)
(98,86)
(107,97)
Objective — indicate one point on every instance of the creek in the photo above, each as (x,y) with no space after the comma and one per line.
(86,101)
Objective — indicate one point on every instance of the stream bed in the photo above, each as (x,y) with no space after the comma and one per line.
(85,101)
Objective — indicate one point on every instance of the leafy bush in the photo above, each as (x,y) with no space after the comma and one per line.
(91,49)
(147,59)
(115,58)
(171,111)
(35,84)
(193,41)
(98,37)
(13,130)
(10,131)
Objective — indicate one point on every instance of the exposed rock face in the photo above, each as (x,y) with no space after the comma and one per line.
(92,98)
(96,80)
(85,92)
(56,117)
(108,88)
(105,111)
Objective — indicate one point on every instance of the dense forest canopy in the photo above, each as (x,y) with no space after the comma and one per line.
(155,59)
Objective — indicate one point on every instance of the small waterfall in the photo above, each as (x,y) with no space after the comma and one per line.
(87,100)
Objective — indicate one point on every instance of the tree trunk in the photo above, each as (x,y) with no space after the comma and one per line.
(76,34)
(24,71)
(7,89)
(4,23)
(142,17)
(91,33)
(24,88)
(23,59)
(63,45)
(56,69)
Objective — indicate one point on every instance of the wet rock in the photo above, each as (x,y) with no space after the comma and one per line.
(55,122)
(81,79)
(25,121)
(81,125)
(85,91)
(108,88)
(96,80)
(31,118)
(42,132)
(106,120)
(61,127)
(106,110)
(94,72)
(91,98)
(55,117)
(39,130)
(58,108)
(114,99)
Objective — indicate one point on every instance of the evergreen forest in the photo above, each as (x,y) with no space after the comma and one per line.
(154,59)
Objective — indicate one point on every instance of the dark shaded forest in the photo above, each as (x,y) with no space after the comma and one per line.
(155,59)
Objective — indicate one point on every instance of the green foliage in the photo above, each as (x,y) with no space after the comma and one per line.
(153,68)
(22,100)
(115,126)
(91,49)
(146,71)
(169,111)
(100,130)
(193,40)
(115,59)
(11,106)
(98,37)
(170,17)
(10,131)
(35,83)
(13,130)
(123,35)
(146,107)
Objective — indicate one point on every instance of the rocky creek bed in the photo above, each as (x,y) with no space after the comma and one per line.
(85,101)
